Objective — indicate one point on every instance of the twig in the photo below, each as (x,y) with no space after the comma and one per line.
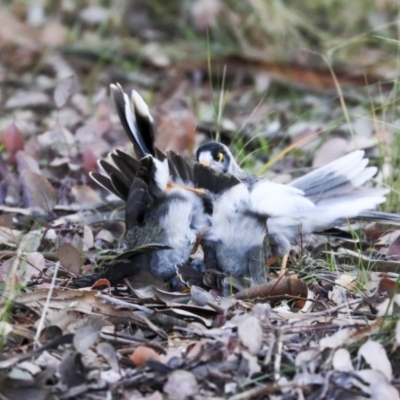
(46,305)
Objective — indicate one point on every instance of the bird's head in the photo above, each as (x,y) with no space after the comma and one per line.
(216,156)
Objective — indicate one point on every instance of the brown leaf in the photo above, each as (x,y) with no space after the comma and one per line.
(70,258)
(12,141)
(63,91)
(142,354)
(85,195)
(331,150)
(89,161)
(177,131)
(101,282)
(53,34)
(6,220)
(40,190)
(17,33)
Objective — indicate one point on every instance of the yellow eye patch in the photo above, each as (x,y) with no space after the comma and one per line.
(220,157)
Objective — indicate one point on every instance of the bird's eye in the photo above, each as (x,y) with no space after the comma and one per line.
(220,157)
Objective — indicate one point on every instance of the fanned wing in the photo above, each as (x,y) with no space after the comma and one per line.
(273,199)
(338,177)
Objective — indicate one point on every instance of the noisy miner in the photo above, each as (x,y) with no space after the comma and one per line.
(161,212)
(314,203)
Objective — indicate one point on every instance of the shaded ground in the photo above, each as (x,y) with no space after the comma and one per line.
(288,87)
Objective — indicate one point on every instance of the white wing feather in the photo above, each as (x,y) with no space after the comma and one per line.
(275,199)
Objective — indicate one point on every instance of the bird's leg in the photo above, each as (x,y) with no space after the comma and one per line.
(199,192)
(271,261)
(197,243)
(285,258)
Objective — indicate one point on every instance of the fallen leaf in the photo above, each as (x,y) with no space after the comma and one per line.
(250,334)
(25,98)
(6,220)
(87,335)
(375,355)
(88,239)
(338,339)
(142,354)
(40,190)
(181,385)
(85,196)
(60,140)
(107,351)
(12,141)
(34,266)
(26,163)
(331,150)
(393,252)
(63,91)
(70,258)
(53,34)
(342,361)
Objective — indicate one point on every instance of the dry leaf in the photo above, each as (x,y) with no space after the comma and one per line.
(40,190)
(181,385)
(26,163)
(87,335)
(338,339)
(60,140)
(177,131)
(331,150)
(85,196)
(107,351)
(250,334)
(34,266)
(375,355)
(142,354)
(12,141)
(24,98)
(88,239)
(6,220)
(393,252)
(342,361)
(63,91)
(70,258)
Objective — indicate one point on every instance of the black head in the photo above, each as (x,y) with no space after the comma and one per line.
(216,156)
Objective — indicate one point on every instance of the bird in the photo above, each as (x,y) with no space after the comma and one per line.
(162,209)
(314,203)
(236,240)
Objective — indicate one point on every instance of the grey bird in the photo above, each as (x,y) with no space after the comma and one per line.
(322,199)
(236,241)
(160,210)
